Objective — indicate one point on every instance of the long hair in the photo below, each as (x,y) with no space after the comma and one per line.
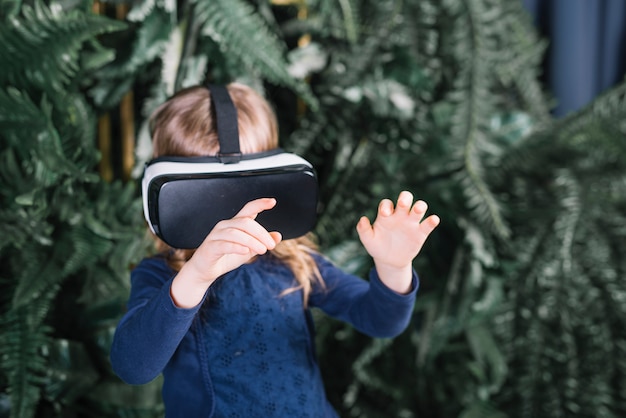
(185,126)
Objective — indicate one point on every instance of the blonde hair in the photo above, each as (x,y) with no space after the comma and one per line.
(185,126)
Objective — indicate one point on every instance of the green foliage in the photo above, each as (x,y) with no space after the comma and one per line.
(521,308)
(41,45)
(564,327)
(68,238)
(239,31)
(482,149)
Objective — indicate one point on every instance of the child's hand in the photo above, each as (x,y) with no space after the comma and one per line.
(396,238)
(235,241)
(230,244)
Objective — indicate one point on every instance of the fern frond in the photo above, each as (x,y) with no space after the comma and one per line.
(19,112)
(350,11)
(40,279)
(147,43)
(9,8)
(36,140)
(519,60)
(76,127)
(341,20)
(42,47)
(235,26)
(22,345)
(562,296)
(482,409)
(588,141)
(473,104)
(141,10)
(23,205)
(363,378)
(86,249)
(70,374)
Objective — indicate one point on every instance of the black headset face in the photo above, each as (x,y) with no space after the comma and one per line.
(185,197)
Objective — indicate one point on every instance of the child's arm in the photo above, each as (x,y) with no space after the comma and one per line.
(232,243)
(395,239)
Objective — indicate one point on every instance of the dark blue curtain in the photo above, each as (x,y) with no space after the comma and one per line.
(587,52)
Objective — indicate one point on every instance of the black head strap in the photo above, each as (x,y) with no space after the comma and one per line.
(226,121)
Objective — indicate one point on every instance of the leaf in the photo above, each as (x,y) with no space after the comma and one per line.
(70,373)
(43,46)
(238,30)
(22,361)
(491,360)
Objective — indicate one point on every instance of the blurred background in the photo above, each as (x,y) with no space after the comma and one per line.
(507,116)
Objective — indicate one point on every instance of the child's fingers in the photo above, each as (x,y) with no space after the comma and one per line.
(256,245)
(364,224)
(229,247)
(364,228)
(429,224)
(419,209)
(254,207)
(405,200)
(276,236)
(385,208)
(245,231)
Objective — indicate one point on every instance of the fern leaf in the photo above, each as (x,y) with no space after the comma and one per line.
(42,47)
(473,103)
(350,12)
(18,112)
(147,43)
(39,279)
(235,26)
(589,139)
(87,248)
(562,296)
(520,58)
(22,362)
(482,409)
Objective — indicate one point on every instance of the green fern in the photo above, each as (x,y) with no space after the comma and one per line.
(563,295)
(519,61)
(42,46)
(51,241)
(22,362)
(239,31)
(473,104)
(147,41)
(439,97)
(350,12)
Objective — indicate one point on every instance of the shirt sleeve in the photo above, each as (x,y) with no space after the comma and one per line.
(369,306)
(153,326)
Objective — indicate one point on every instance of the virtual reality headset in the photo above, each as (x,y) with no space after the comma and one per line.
(185,197)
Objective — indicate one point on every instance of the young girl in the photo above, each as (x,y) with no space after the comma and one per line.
(229,324)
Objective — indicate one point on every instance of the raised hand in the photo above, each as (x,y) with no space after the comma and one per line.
(396,238)
(230,244)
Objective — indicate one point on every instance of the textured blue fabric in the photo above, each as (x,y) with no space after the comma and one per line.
(247,351)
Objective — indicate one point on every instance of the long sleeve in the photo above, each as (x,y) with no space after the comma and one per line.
(152,328)
(370,306)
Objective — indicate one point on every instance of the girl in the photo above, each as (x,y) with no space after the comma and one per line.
(229,324)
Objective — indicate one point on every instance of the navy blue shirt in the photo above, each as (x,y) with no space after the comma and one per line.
(247,350)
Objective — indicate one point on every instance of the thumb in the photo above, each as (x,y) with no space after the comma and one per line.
(364,229)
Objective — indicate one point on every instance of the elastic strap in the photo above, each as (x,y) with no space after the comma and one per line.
(226,121)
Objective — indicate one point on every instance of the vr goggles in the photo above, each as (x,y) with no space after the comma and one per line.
(185,197)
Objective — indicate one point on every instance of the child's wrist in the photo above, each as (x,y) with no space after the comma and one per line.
(396,278)
(198,275)
(188,288)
